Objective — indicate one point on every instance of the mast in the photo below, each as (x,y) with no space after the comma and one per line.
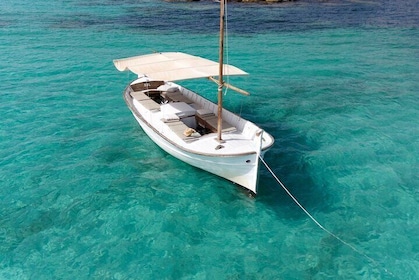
(220,75)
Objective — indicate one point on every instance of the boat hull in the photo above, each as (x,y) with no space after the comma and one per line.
(235,158)
(240,169)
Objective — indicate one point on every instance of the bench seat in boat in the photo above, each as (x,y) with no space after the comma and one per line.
(176,96)
(179,128)
(210,120)
(145,101)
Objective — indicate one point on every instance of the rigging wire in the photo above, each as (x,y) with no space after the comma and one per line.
(226,42)
(320,225)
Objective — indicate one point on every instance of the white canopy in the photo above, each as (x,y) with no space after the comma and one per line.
(174,66)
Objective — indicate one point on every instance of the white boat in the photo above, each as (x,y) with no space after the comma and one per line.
(189,126)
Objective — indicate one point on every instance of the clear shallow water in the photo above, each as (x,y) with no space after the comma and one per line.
(85,194)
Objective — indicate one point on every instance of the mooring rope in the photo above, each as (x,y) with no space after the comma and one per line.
(320,225)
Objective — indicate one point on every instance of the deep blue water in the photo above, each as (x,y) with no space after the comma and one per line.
(86,195)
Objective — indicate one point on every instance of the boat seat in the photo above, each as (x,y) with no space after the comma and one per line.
(176,96)
(204,112)
(170,118)
(210,121)
(145,101)
(150,105)
(179,128)
(139,96)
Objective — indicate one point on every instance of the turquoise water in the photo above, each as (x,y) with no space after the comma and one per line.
(86,195)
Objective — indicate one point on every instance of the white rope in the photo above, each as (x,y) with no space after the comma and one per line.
(320,225)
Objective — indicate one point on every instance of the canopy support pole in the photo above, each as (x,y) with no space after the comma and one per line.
(220,72)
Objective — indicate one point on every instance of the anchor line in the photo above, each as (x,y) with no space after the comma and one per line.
(320,225)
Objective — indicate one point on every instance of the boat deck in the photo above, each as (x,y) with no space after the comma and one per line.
(189,120)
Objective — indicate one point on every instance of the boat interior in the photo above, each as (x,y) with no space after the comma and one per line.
(186,113)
